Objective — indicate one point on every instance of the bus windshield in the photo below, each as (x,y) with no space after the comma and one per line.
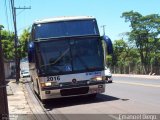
(72,55)
(66,28)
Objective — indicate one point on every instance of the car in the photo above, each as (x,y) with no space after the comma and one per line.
(25,73)
(108,75)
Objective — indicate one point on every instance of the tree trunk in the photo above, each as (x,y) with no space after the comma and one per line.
(129,69)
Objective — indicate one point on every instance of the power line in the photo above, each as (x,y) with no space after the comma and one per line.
(10,9)
(29,25)
(5,4)
(20,12)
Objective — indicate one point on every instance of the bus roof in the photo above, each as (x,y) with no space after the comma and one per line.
(63,18)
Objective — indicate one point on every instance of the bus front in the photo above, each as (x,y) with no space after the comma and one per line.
(69,58)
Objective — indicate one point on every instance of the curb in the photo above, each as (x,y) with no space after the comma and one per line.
(9,91)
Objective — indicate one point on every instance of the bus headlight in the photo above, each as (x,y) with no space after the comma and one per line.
(97,78)
(42,85)
(48,84)
(104,78)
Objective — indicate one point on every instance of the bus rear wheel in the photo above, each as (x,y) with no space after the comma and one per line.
(43,101)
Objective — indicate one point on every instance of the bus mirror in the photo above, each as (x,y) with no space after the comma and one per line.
(108,44)
(30,51)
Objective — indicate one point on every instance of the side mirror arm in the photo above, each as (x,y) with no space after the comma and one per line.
(108,44)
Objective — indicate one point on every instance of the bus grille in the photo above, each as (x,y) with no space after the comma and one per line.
(74,91)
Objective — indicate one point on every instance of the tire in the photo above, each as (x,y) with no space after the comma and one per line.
(44,101)
(38,89)
(109,81)
(92,96)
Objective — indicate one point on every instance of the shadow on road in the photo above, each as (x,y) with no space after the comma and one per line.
(73,101)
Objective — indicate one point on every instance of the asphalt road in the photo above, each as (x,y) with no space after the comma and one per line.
(126,95)
(140,95)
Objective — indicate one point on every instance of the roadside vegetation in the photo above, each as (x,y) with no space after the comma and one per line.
(137,52)
(8,46)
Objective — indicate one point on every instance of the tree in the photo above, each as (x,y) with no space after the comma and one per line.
(120,54)
(8,44)
(144,33)
(23,42)
(125,57)
(9,48)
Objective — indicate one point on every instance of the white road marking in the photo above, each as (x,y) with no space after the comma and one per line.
(140,84)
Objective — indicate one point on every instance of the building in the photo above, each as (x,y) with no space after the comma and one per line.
(9,68)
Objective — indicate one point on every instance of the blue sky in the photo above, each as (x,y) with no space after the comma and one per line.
(107,12)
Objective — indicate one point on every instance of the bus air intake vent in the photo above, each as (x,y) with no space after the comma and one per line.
(74,91)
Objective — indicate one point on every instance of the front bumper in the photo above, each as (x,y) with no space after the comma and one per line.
(50,93)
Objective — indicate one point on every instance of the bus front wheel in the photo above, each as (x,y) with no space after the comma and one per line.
(92,96)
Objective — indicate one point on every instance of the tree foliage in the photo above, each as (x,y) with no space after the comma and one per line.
(124,56)
(23,42)
(7,44)
(144,33)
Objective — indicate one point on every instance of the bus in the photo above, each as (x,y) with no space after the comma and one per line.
(66,57)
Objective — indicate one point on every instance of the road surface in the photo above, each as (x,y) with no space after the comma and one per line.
(126,95)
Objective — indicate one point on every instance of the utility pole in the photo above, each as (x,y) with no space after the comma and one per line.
(103,26)
(15,44)
(4,114)
(17,57)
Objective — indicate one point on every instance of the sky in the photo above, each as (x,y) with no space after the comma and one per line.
(107,12)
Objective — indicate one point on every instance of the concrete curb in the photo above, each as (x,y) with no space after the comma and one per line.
(9,90)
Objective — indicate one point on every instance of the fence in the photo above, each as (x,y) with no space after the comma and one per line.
(137,69)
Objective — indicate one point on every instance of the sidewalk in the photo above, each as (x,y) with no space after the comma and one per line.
(17,102)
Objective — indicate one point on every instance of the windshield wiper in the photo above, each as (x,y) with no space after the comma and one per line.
(59,58)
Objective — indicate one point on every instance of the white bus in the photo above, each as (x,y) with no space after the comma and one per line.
(66,57)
